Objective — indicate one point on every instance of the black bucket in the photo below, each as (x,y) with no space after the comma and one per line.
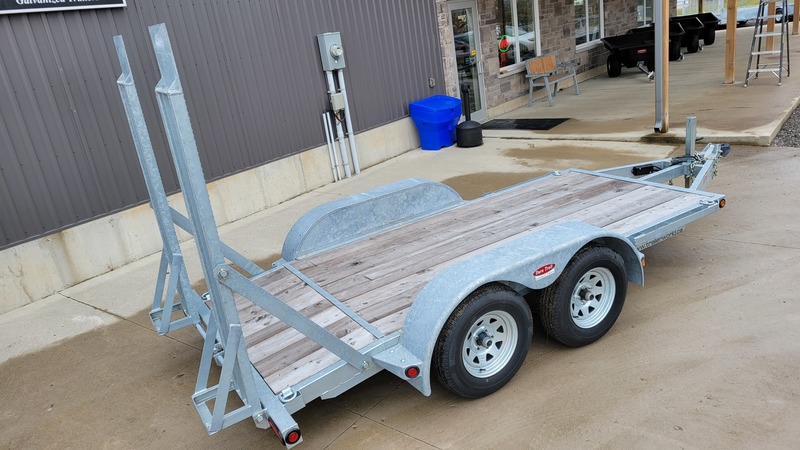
(468,133)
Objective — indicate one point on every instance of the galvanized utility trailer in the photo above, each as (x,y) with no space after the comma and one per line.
(407,278)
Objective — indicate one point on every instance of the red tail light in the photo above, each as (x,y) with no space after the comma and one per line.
(412,372)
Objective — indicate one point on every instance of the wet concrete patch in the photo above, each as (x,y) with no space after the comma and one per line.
(535,159)
(559,157)
(474,185)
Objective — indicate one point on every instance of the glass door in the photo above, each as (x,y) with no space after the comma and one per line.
(469,64)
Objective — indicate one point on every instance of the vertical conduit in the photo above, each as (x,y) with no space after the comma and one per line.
(340,137)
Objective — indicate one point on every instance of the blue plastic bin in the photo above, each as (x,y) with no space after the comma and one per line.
(436,118)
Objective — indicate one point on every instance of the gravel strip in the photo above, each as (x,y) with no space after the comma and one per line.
(789,136)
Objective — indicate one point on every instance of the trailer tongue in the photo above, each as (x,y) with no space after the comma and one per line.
(407,278)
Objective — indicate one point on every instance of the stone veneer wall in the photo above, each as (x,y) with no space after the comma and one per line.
(557,33)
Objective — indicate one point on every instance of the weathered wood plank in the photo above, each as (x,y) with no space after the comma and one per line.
(654,215)
(494,223)
(319,359)
(498,206)
(458,246)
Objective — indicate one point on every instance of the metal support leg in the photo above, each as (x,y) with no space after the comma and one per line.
(547,88)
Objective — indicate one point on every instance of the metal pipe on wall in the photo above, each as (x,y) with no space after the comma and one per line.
(350,135)
(326,122)
(339,131)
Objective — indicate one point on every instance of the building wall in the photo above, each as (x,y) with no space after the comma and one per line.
(36,269)
(253,78)
(557,34)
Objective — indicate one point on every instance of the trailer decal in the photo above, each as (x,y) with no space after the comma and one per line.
(660,239)
(544,271)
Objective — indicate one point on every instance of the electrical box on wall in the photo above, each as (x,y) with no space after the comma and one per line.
(331,51)
(337,102)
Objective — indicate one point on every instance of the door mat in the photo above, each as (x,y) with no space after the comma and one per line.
(523,124)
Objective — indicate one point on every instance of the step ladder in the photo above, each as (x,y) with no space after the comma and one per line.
(774,59)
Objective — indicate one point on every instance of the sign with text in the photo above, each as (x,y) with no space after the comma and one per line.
(32,6)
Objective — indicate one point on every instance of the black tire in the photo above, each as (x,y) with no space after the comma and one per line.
(613,66)
(694,44)
(711,35)
(674,50)
(568,315)
(489,332)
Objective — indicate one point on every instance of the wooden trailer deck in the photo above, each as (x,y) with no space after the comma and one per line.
(378,277)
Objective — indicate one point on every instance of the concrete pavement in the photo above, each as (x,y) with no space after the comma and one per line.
(703,355)
(622,109)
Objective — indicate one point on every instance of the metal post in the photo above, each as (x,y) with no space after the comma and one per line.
(339,130)
(661,19)
(172,261)
(178,128)
(691,136)
(326,124)
(350,135)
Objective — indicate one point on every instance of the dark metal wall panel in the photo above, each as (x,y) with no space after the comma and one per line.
(254,83)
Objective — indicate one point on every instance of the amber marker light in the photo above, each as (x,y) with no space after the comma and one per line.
(722,203)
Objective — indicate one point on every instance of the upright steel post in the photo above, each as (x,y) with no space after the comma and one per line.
(691,134)
(172,259)
(691,137)
(350,135)
(236,368)
(339,131)
(661,19)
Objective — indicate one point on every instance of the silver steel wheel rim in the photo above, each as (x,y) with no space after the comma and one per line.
(593,297)
(489,344)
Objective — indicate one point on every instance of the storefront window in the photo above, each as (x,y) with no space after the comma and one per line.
(644,12)
(588,21)
(517,37)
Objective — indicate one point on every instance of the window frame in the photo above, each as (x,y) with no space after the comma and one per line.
(644,12)
(593,43)
(519,66)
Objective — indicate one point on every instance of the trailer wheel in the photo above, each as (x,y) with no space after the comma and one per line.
(484,342)
(694,44)
(584,303)
(674,50)
(711,35)
(613,66)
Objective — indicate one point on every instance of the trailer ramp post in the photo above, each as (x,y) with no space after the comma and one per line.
(172,271)
(226,335)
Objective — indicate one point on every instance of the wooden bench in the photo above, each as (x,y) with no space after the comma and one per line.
(545,68)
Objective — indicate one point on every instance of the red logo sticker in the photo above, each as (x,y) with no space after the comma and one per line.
(544,271)
(641,51)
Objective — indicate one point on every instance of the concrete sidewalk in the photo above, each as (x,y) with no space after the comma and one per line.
(622,109)
(704,355)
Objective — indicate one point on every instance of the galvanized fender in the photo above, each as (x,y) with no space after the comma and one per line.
(512,263)
(339,222)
